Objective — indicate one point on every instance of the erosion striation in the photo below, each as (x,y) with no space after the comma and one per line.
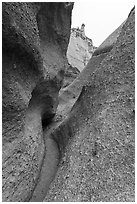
(96,139)
(35,37)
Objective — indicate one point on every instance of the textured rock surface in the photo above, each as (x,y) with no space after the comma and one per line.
(107,45)
(35,39)
(97,138)
(80,49)
(68,95)
(70,74)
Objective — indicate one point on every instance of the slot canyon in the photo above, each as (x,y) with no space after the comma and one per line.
(68,130)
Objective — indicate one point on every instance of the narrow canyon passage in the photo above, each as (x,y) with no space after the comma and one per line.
(52,155)
(68,129)
(48,171)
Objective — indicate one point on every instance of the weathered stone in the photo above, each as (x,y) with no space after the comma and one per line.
(70,93)
(80,48)
(108,44)
(35,39)
(97,138)
(94,141)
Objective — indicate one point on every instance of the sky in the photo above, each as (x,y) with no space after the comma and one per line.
(101,17)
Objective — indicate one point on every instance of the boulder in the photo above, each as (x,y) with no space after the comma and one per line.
(96,140)
(35,37)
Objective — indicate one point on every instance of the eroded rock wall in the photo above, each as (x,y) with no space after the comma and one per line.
(68,95)
(35,37)
(97,139)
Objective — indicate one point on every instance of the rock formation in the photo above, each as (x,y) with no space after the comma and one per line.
(72,92)
(76,144)
(96,139)
(35,37)
(80,48)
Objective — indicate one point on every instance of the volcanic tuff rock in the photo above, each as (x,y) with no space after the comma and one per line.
(35,39)
(80,48)
(96,139)
(70,93)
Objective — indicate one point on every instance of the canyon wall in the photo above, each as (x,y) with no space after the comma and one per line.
(97,138)
(73,144)
(35,37)
(72,91)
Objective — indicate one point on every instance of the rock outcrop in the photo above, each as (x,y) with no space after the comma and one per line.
(80,48)
(35,37)
(96,139)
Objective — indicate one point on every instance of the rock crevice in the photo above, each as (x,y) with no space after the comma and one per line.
(73,144)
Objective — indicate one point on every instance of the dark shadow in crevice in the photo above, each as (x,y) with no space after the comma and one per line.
(47,119)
